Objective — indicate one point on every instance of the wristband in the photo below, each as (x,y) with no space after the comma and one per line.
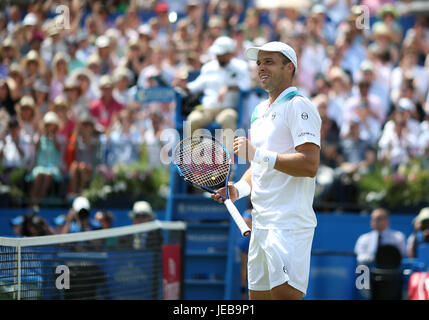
(243,189)
(265,158)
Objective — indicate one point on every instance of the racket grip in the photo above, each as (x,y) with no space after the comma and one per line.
(238,219)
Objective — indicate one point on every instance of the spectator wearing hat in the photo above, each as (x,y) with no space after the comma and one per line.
(16,82)
(417,38)
(182,37)
(408,67)
(136,58)
(122,78)
(30,32)
(339,93)
(16,224)
(389,15)
(88,84)
(59,74)
(398,144)
(165,29)
(76,102)
(33,68)
(104,53)
(82,155)
(408,108)
(26,115)
(142,212)
(78,217)
(383,39)
(220,81)
(48,160)
(52,44)
(368,109)
(420,233)
(59,222)
(61,106)
(9,51)
(377,86)
(16,152)
(41,98)
(106,106)
(94,65)
(252,28)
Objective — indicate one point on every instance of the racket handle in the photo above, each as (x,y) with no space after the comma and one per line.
(235,214)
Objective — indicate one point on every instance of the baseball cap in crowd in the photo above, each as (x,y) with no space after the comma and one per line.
(30,19)
(222,45)
(16,221)
(274,46)
(60,220)
(405,104)
(102,41)
(81,203)
(141,208)
(367,65)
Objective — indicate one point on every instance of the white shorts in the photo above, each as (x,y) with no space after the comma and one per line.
(277,256)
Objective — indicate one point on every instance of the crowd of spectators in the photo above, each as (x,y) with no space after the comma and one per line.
(70,70)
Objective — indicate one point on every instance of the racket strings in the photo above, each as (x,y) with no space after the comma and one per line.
(202,161)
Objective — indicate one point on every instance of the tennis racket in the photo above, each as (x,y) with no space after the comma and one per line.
(205,163)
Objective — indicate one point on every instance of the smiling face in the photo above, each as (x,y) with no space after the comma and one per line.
(274,71)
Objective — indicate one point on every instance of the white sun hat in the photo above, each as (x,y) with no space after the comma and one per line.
(274,46)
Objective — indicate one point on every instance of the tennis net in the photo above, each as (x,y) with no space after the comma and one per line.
(142,261)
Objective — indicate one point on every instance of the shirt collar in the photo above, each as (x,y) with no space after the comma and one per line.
(284,93)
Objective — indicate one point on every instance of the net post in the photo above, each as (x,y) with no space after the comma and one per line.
(18,251)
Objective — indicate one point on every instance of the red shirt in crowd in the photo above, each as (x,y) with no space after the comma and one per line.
(103,111)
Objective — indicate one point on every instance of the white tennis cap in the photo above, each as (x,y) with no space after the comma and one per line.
(222,45)
(274,46)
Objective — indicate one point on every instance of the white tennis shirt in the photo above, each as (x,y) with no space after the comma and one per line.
(282,201)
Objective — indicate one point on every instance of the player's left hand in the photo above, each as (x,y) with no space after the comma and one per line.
(244,149)
(233,193)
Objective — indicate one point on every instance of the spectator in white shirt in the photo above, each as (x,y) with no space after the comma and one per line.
(367,108)
(398,142)
(408,68)
(220,81)
(16,150)
(368,243)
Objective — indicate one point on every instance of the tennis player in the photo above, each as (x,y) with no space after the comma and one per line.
(284,152)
